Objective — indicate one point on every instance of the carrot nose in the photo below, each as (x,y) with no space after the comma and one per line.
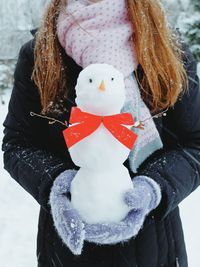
(102,86)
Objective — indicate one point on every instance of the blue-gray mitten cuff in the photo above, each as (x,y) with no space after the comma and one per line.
(67,221)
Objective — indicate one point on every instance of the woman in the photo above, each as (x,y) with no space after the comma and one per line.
(35,154)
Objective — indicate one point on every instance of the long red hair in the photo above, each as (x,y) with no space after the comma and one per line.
(157,47)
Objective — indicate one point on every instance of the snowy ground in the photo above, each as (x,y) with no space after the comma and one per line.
(18,218)
(19,215)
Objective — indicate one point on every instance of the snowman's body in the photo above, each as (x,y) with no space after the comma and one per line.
(99,151)
(99,186)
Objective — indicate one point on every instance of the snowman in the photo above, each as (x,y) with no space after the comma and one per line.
(99,140)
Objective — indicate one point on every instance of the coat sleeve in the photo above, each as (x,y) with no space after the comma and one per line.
(176,168)
(26,158)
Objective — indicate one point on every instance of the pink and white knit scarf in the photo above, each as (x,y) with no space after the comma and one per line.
(101,33)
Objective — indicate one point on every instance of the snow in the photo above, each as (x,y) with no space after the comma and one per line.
(18,217)
(198,69)
(190,215)
(172,8)
(191,220)
(17,18)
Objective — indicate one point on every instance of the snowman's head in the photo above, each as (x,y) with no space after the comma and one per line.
(100,90)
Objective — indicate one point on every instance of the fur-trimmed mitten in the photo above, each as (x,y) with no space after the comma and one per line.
(144,197)
(66,220)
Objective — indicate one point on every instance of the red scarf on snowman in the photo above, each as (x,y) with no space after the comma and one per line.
(87,123)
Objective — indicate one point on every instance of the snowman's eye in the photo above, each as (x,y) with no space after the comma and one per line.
(90,80)
(112,79)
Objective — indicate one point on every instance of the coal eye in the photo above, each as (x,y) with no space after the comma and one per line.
(90,80)
(112,79)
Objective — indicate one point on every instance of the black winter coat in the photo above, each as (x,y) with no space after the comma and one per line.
(35,153)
